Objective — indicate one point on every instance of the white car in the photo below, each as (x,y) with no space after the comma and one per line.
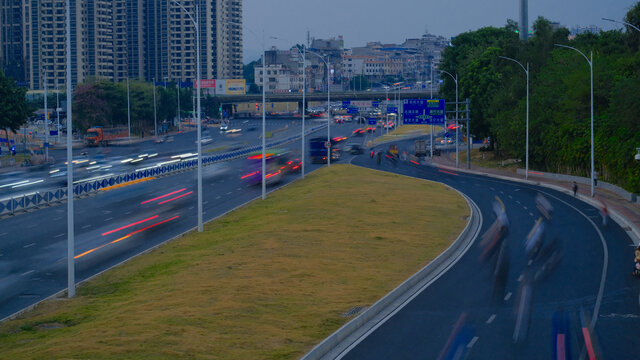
(224,127)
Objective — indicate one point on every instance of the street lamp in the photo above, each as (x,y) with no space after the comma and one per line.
(304,96)
(128,111)
(199,125)
(455,79)
(622,22)
(526,175)
(590,62)
(328,105)
(155,112)
(71,275)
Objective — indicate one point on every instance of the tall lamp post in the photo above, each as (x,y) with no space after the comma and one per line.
(623,23)
(199,125)
(590,62)
(526,70)
(128,111)
(71,274)
(455,79)
(326,62)
(304,98)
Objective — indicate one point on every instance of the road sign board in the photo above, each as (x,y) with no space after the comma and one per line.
(345,104)
(392,109)
(375,104)
(352,110)
(447,134)
(372,121)
(327,144)
(421,111)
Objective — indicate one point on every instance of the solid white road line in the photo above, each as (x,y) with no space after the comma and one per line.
(27,273)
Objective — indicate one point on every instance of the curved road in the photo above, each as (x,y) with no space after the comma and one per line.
(468,307)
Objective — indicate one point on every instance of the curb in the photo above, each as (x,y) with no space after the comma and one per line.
(349,334)
(633,232)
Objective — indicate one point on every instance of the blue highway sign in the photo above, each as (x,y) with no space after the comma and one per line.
(421,111)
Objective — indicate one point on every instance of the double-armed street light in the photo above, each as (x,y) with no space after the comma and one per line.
(199,125)
(590,62)
(526,70)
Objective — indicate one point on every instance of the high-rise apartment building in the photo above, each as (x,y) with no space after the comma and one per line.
(12,51)
(120,39)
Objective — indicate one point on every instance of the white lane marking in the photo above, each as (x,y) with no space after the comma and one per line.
(510,197)
(530,262)
(632,245)
(1,255)
(59,235)
(530,213)
(3,234)
(217,197)
(191,208)
(58,218)
(108,219)
(27,273)
(106,212)
(30,245)
(229,193)
(518,201)
(506,298)
(491,318)
(502,192)
(526,208)
(205,202)
(239,189)
(492,189)
(86,226)
(128,212)
(472,342)
(520,277)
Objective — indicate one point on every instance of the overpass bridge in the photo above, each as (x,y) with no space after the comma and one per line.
(228,101)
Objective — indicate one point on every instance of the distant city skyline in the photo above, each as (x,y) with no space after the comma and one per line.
(360,21)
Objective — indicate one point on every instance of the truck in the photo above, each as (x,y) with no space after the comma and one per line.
(420,148)
(102,136)
(318,150)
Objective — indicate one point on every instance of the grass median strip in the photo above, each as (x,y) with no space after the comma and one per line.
(267,281)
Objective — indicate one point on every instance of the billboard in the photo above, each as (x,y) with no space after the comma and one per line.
(236,87)
(207,83)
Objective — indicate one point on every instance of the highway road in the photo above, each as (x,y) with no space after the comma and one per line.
(469,307)
(118,224)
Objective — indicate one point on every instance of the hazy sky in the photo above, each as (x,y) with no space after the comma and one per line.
(391,21)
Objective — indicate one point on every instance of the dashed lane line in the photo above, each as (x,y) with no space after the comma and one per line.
(506,298)
(59,235)
(229,193)
(86,227)
(27,273)
(108,219)
(217,197)
(30,245)
(491,318)
(472,342)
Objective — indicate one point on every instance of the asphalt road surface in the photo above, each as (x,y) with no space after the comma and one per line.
(115,225)
(516,317)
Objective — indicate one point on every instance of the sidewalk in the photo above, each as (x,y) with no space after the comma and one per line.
(626,213)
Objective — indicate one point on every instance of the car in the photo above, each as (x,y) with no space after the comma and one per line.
(224,127)
(371,129)
(358,132)
(354,149)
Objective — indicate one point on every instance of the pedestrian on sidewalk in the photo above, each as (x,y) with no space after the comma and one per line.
(604,212)
(636,268)
(595,178)
(575,188)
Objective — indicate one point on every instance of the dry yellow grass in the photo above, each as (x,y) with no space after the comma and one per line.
(268,281)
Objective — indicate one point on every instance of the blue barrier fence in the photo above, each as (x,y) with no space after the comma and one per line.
(35,200)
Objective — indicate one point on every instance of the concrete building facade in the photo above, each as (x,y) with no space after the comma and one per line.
(120,39)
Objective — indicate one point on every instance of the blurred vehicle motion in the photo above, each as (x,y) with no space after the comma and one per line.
(102,136)
(278,163)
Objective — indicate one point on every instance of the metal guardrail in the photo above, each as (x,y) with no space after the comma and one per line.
(36,200)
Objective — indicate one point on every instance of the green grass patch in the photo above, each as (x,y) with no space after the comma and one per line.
(267,281)
(268,134)
(216,149)
(404,130)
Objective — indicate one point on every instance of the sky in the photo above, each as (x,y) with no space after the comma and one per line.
(392,21)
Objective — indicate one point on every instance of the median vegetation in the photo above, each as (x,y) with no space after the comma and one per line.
(267,281)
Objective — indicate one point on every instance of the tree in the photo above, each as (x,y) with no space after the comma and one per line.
(15,110)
